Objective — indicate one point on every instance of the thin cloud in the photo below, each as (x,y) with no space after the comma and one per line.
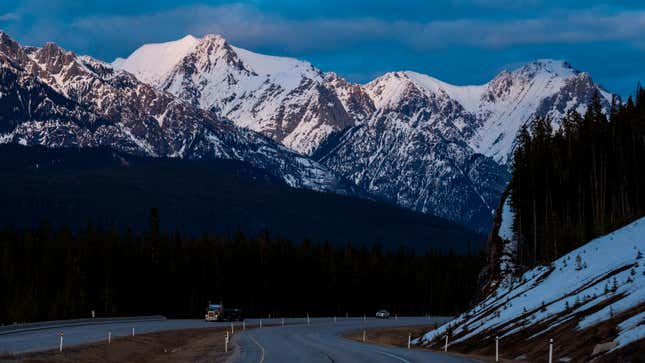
(245,25)
(8,17)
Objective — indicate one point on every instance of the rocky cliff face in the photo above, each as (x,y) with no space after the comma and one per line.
(443,149)
(286,99)
(55,98)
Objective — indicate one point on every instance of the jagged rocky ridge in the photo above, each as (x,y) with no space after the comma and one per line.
(445,149)
(52,97)
(286,99)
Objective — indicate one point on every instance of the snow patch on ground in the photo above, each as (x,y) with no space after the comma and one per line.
(506,228)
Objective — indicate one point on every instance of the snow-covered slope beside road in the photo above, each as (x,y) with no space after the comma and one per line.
(597,288)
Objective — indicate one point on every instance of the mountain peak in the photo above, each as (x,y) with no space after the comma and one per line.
(559,68)
(152,62)
(214,38)
(7,44)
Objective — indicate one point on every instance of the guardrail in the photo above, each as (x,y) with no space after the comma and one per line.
(18,328)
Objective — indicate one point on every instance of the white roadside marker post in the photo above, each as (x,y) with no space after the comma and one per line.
(60,346)
(409,339)
(133,331)
(551,350)
(364,317)
(282,321)
(496,349)
(109,337)
(226,343)
(445,347)
(232,328)
(308,321)
(364,333)
(260,323)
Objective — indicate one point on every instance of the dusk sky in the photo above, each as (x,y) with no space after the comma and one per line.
(458,41)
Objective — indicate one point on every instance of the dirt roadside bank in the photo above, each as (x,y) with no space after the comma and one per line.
(189,345)
(398,337)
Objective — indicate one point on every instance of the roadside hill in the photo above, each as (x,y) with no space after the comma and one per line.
(593,295)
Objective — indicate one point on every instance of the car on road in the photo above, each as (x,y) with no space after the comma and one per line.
(231,315)
(382,314)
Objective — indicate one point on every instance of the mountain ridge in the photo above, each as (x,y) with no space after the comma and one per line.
(52,97)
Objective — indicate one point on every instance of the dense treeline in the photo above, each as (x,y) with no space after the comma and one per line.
(48,273)
(581,181)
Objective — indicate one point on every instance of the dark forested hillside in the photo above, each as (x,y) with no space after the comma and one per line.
(53,273)
(581,181)
(71,187)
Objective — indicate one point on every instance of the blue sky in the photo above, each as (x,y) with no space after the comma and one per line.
(459,41)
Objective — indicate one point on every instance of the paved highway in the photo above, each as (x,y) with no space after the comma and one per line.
(319,341)
(322,342)
(45,338)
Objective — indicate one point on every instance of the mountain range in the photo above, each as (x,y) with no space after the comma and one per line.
(405,137)
(55,98)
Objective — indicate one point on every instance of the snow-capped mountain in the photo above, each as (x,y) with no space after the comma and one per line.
(52,97)
(412,151)
(286,99)
(541,88)
(442,149)
(592,298)
(407,137)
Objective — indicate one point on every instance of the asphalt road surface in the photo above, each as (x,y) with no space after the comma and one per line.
(322,342)
(45,338)
(297,341)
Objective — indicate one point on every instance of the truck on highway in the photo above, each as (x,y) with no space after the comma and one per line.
(217,312)
(213,312)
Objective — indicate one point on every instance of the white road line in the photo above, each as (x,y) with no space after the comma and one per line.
(393,356)
(260,346)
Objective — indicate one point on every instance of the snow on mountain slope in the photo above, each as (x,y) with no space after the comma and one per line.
(602,282)
(54,98)
(412,152)
(418,147)
(541,88)
(286,99)
(500,107)
(151,63)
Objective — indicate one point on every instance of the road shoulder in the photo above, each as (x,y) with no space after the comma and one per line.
(398,337)
(194,345)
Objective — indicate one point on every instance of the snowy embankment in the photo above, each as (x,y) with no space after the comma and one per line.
(602,282)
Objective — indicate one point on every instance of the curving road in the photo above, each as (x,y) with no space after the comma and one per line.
(322,342)
(297,341)
(46,336)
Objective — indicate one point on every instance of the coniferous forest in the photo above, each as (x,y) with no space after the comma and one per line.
(581,181)
(53,273)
